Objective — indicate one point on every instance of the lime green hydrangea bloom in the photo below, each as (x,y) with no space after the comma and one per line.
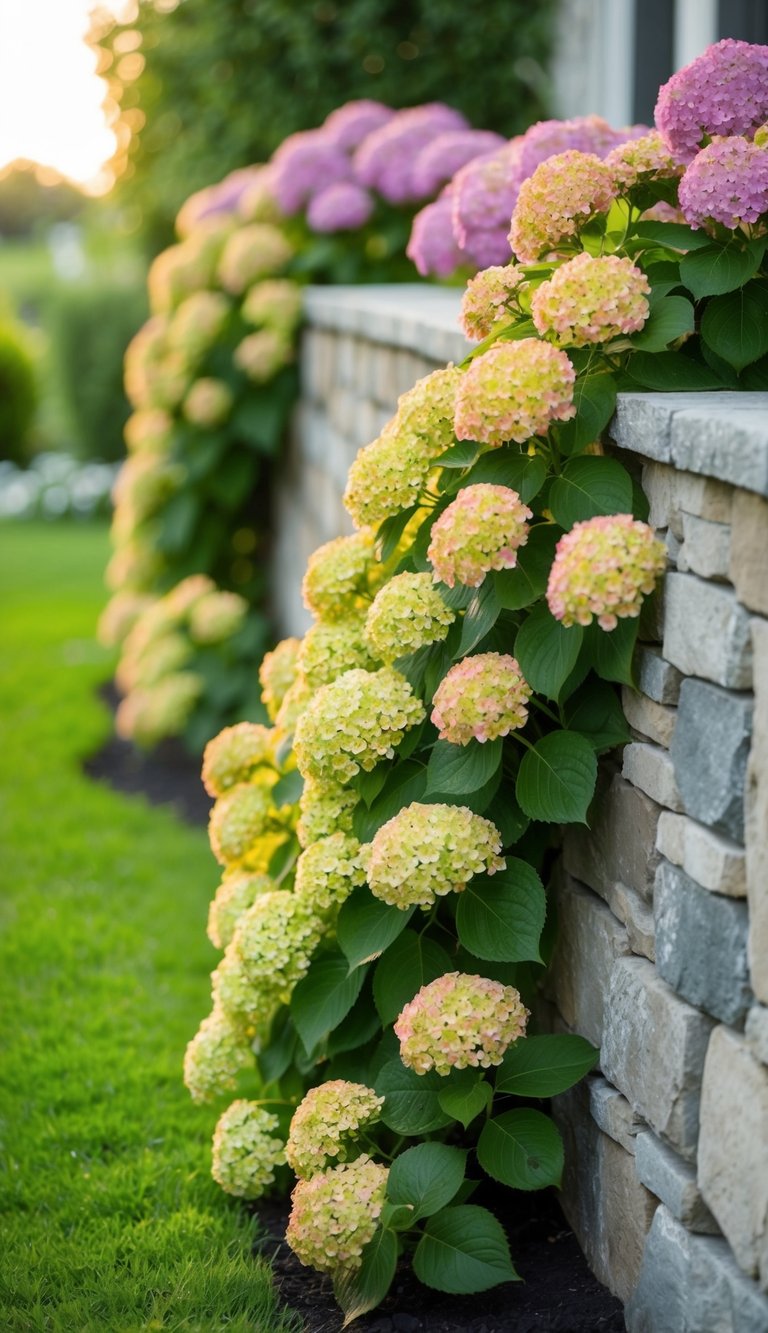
(236,893)
(427,851)
(214,1057)
(235,754)
(355,722)
(407,614)
(326,1121)
(246,1150)
(335,1214)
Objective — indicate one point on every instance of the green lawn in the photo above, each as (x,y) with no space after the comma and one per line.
(108,1217)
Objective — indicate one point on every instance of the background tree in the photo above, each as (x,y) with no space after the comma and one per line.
(197,89)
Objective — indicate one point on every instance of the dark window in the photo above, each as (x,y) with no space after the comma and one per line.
(654,54)
(746,19)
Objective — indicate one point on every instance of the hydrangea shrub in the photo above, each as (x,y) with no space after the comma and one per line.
(383,989)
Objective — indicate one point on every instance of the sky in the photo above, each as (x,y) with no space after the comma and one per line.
(50,95)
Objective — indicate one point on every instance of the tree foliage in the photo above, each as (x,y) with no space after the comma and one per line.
(198,89)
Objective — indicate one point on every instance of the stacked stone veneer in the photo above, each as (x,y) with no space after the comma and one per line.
(662,904)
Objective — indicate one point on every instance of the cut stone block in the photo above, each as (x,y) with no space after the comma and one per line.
(619,846)
(612,1113)
(653,1051)
(651,719)
(756,810)
(701,944)
(692,1284)
(706,631)
(749,550)
(589,940)
(651,769)
(655,676)
(715,862)
(673,1181)
(756,1031)
(608,1208)
(733,1148)
(709,751)
(706,548)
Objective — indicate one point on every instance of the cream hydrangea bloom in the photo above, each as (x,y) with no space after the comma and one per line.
(354,723)
(208,403)
(235,754)
(245,1150)
(645,158)
(459,1021)
(262,354)
(217,617)
(275,304)
(481,698)
(325,1121)
(335,1214)
(256,251)
(486,296)
(239,817)
(328,871)
(277,673)
(406,614)
(337,581)
(591,300)
(603,568)
(275,939)
(514,391)
(563,193)
(427,851)
(482,529)
(236,893)
(235,995)
(214,1058)
(295,703)
(330,648)
(325,807)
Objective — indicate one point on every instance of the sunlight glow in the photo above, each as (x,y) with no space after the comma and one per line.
(50,94)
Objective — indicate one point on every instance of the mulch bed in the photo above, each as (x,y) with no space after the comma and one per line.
(557,1294)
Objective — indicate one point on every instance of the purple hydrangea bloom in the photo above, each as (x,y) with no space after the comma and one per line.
(587,134)
(723,91)
(432,246)
(304,164)
(344,206)
(384,161)
(726,182)
(443,156)
(348,125)
(483,197)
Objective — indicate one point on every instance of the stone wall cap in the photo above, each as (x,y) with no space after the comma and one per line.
(408,315)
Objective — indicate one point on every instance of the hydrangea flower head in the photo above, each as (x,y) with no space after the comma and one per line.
(120,615)
(148,431)
(335,1214)
(354,723)
(277,673)
(727,182)
(149,713)
(342,206)
(514,391)
(330,648)
(460,1021)
(444,155)
(428,408)
(485,299)
(275,939)
(563,193)
(642,159)
(386,477)
(303,165)
(236,893)
(384,161)
(591,300)
(325,808)
(483,195)
(295,702)
(234,755)
(723,91)
(208,403)
(198,322)
(427,851)
(337,581)
(214,1058)
(243,814)
(328,871)
(255,251)
(273,304)
(548,138)
(216,617)
(326,1121)
(406,614)
(482,529)
(480,698)
(262,354)
(245,1150)
(235,995)
(432,246)
(603,568)
(348,125)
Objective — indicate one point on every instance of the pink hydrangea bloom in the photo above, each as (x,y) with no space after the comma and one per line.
(460,1021)
(485,298)
(348,125)
(303,165)
(432,246)
(562,194)
(427,851)
(384,160)
(482,529)
(442,157)
(586,134)
(726,182)
(513,391)
(343,206)
(723,91)
(591,300)
(604,567)
(484,193)
(481,698)
(645,157)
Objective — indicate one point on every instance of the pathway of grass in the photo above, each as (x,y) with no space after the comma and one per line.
(108,1217)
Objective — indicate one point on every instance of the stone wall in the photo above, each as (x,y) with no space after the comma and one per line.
(662,953)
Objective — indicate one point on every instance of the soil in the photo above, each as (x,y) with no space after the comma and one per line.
(557,1294)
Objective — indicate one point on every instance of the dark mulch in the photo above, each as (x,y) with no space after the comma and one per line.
(557,1294)
(166,775)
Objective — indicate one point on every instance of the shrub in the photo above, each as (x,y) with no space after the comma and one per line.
(18,393)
